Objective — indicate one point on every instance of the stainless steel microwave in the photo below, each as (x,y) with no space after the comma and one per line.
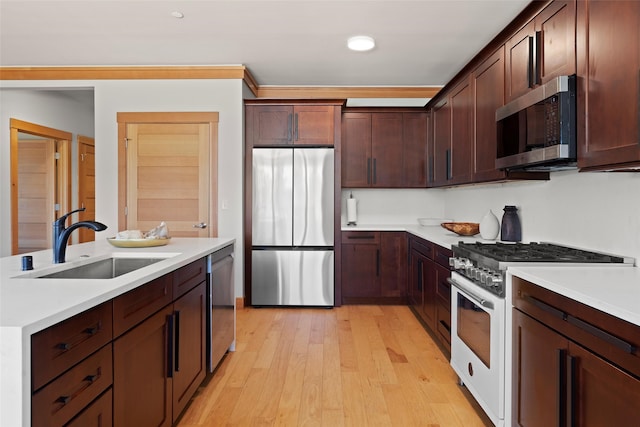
(537,131)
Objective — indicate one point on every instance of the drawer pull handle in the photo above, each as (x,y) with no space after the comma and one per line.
(64,346)
(368,236)
(444,325)
(92,331)
(64,399)
(601,334)
(91,378)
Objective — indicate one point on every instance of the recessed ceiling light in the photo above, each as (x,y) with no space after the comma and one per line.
(177,14)
(361,43)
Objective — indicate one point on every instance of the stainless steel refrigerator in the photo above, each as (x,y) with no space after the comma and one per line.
(292,227)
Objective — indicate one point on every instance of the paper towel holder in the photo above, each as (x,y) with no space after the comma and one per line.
(351,216)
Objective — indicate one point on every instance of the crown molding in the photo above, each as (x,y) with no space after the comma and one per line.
(215,72)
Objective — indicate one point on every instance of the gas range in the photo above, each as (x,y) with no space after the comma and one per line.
(486,263)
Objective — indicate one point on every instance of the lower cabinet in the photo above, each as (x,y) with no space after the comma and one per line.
(374,267)
(429,291)
(160,363)
(135,360)
(570,371)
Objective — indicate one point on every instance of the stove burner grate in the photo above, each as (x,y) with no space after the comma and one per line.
(537,252)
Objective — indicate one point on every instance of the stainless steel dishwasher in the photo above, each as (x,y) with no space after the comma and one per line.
(221,316)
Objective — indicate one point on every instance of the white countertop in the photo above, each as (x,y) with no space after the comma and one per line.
(34,304)
(29,304)
(613,290)
(435,233)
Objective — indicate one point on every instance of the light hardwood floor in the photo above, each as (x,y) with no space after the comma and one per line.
(348,366)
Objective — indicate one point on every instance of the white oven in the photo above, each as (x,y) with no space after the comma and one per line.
(478,344)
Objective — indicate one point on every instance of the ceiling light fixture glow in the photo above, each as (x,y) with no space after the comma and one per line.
(361,43)
(177,14)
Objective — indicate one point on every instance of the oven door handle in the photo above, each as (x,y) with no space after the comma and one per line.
(476,299)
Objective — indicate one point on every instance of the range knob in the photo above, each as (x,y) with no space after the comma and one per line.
(495,280)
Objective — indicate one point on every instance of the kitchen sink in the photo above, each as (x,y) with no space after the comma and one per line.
(104,269)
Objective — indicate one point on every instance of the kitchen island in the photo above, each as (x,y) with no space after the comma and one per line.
(29,304)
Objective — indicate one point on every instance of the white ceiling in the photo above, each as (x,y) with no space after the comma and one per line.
(286,42)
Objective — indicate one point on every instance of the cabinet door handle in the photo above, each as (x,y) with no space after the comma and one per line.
(537,70)
(420,274)
(444,325)
(545,307)
(448,163)
(91,378)
(571,371)
(603,335)
(176,352)
(369,170)
(530,65)
(63,399)
(430,169)
(295,128)
(361,237)
(289,127)
(561,403)
(92,331)
(378,262)
(375,177)
(169,346)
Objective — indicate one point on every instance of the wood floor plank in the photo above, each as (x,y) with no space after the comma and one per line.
(347,366)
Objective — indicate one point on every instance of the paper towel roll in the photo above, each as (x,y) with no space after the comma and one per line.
(352,212)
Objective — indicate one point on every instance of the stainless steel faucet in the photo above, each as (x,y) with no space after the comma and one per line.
(61,234)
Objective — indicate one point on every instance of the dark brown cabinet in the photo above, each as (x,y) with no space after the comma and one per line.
(374,267)
(160,361)
(384,149)
(608,52)
(429,291)
(282,124)
(541,50)
(453,136)
(488,96)
(572,365)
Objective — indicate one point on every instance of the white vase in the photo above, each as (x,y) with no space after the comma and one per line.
(489,226)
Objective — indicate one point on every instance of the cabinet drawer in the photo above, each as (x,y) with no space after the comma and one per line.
(61,346)
(98,414)
(65,397)
(187,277)
(441,255)
(443,288)
(423,246)
(361,237)
(136,305)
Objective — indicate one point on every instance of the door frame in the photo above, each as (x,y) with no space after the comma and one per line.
(63,169)
(210,118)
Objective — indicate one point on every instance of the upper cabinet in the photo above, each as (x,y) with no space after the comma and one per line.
(608,53)
(284,124)
(384,148)
(488,96)
(541,50)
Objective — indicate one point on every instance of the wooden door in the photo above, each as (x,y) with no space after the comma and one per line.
(168,172)
(190,354)
(86,185)
(356,150)
(36,193)
(416,285)
(386,150)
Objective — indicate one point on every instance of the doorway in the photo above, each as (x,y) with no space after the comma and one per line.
(40,183)
(167,169)
(86,185)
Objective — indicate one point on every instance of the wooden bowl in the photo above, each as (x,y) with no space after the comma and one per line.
(462,228)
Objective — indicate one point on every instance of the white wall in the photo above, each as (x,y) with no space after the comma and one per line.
(592,210)
(111,97)
(597,210)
